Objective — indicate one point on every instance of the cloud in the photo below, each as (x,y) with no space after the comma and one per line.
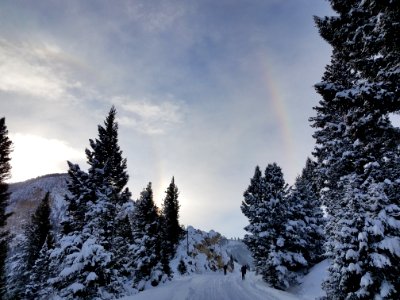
(34,70)
(147,116)
(155,18)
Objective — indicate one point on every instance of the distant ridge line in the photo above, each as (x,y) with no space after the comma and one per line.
(40,177)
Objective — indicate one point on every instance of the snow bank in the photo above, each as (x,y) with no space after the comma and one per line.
(310,287)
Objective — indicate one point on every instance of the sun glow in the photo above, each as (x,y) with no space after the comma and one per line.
(34,155)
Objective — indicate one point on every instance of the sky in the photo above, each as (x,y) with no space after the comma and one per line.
(204,90)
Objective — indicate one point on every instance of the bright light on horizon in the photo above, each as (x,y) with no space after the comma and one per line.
(34,156)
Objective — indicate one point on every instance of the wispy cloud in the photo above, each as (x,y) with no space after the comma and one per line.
(155,17)
(147,116)
(34,70)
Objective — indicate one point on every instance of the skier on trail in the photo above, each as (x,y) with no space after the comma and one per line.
(225,268)
(243,270)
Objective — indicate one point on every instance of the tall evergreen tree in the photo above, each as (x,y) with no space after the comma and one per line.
(305,222)
(5,168)
(253,196)
(273,212)
(171,227)
(147,243)
(87,258)
(108,171)
(264,205)
(361,196)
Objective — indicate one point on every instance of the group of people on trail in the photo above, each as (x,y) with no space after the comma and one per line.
(243,270)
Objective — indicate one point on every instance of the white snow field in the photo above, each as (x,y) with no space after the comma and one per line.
(217,286)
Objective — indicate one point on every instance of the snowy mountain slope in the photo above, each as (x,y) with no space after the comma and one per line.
(216,286)
(26,196)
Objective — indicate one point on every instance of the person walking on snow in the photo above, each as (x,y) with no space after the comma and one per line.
(243,270)
(225,268)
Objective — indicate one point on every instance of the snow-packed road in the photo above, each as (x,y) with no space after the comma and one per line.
(214,286)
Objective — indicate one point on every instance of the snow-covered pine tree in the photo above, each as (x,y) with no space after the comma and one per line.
(107,167)
(305,222)
(123,243)
(265,206)
(253,196)
(147,244)
(273,217)
(5,168)
(78,254)
(172,230)
(333,157)
(298,244)
(365,36)
(87,257)
(108,172)
(366,248)
(79,189)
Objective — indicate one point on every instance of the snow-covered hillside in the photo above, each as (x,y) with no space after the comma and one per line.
(208,251)
(201,251)
(26,196)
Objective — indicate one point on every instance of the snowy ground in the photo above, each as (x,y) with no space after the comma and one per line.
(216,286)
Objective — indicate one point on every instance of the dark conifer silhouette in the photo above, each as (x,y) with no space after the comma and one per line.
(171,227)
(5,168)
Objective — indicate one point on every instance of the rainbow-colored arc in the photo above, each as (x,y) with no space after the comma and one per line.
(277,102)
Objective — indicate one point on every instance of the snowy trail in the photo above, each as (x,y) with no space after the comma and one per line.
(214,286)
